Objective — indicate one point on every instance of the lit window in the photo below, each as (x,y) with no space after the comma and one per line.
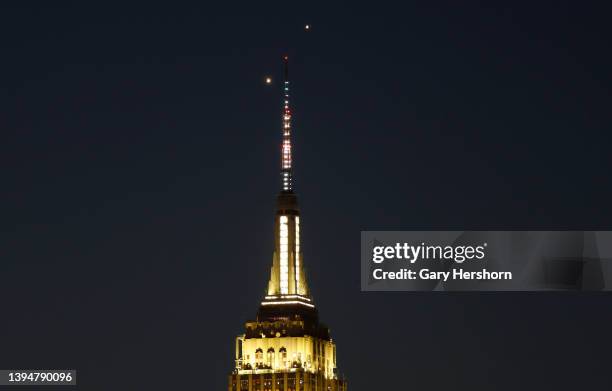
(270,357)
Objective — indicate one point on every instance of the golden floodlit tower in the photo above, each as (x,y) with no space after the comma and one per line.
(286,348)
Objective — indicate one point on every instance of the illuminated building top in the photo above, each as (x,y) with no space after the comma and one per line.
(287,284)
(286,347)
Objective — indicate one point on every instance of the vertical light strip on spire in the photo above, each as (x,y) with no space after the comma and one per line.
(286,169)
(284,255)
(297,255)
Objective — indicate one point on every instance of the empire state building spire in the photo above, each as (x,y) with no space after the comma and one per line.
(287,287)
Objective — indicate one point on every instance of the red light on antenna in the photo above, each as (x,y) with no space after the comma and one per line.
(286,58)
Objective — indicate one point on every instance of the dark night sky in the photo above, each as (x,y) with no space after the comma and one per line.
(138,148)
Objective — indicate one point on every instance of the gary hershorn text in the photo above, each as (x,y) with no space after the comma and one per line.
(426,274)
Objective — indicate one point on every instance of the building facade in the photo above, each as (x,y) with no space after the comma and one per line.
(286,348)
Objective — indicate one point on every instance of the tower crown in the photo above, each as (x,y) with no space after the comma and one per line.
(288,291)
(286,347)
